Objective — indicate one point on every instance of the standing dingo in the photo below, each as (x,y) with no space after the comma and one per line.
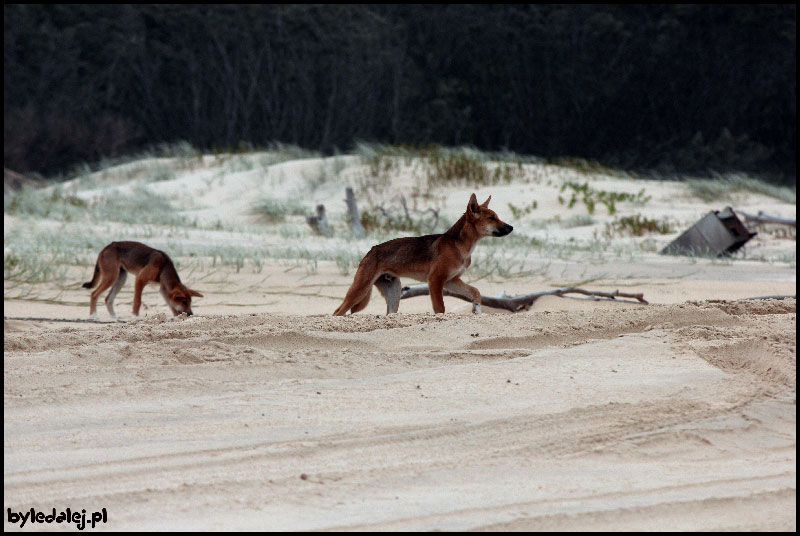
(439,259)
(149,265)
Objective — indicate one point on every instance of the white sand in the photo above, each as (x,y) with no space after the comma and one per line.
(264,412)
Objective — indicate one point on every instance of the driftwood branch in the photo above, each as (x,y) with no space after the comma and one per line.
(777,297)
(523,301)
(761,217)
(319,223)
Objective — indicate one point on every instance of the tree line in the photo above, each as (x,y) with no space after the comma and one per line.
(664,87)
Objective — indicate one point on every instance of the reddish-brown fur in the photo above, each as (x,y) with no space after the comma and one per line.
(149,265)
(439,259)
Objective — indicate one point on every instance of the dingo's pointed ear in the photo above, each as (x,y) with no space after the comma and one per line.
(486,203)
(472,206)
(194,293)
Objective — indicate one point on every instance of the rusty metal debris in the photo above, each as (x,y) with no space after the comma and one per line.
(718,233)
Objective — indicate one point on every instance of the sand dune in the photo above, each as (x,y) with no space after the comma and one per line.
(265,412)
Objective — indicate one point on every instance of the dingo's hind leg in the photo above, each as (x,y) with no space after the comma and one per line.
(108,278)
(391,289)
(123,275)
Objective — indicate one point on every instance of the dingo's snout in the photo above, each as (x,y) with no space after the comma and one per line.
(504,230)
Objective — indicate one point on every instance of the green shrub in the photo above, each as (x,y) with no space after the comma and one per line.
(592,197)
(270,210)
(418,222)
(518,212)
(638,225)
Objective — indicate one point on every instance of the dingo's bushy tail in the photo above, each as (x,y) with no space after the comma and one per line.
(93,282)
(359,292)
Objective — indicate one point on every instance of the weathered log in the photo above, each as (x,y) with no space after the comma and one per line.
(523,301)
(761,217)
(352,212)
(775,297)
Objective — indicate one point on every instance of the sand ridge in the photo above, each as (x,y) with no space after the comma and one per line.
(411,421)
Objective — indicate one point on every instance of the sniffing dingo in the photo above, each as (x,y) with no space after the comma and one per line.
(149,266)
(439,259)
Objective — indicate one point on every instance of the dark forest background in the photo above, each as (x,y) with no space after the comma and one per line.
(686,88)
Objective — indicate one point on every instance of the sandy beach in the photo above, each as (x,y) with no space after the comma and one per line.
(263,411)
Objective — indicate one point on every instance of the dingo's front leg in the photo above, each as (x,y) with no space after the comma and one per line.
(435,287)
(112,294)
(459,287)
(137,295)
(108,279)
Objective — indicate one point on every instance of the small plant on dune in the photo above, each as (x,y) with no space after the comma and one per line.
(270,210)
(466,166)
(442,166)
(399,217)
(518,212)
(637,225)
(592,197)
(448,168)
